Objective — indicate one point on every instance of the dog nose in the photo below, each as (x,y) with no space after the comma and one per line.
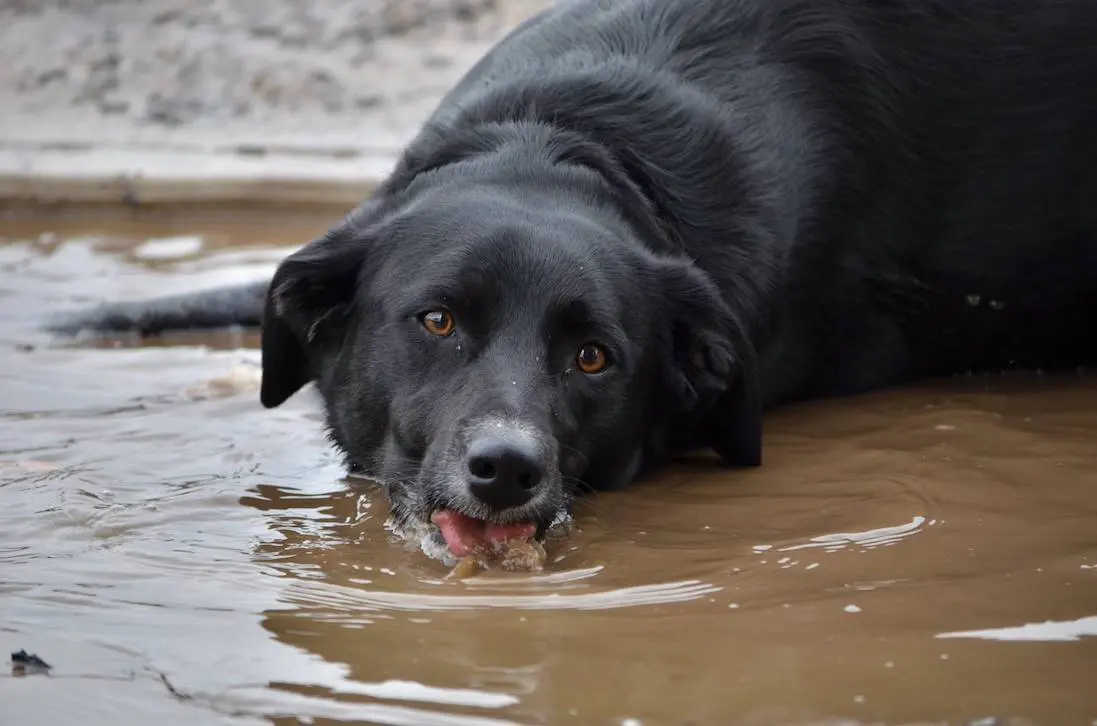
(503,472)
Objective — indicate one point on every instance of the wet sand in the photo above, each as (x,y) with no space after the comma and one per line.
(181,556)
(117,99)
(179,72)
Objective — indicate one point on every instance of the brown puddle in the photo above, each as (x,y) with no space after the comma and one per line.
(181,556)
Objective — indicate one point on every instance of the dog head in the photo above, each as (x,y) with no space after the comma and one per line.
(487,349)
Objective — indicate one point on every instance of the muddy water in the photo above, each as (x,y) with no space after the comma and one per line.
(181,556)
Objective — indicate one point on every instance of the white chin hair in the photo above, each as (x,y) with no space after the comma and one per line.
(425,536)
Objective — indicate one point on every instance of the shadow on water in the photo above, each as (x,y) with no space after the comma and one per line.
(178,554)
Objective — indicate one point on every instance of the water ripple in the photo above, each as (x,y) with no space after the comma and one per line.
(869,538)
(395,690)
(264,702)
(307,594)
(1047,631)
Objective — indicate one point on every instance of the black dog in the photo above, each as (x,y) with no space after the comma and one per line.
(637,223)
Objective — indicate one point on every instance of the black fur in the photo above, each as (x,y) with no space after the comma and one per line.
(226,307)
(748,202)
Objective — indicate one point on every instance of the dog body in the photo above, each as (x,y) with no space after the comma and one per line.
(635,224)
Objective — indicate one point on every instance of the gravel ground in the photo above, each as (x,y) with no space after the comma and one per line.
(333,76)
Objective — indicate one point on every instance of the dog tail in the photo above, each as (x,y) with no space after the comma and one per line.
(236,306)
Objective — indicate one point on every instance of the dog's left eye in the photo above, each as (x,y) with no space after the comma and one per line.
(592,358)
(438,322)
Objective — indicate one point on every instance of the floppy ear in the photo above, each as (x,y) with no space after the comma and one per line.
(309,296)
(716,373)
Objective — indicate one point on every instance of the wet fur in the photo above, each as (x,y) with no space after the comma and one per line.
(757,201)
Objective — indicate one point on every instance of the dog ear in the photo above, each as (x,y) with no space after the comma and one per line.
(309,296)
(716,374)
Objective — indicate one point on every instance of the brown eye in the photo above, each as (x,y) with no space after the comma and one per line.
(438,322)
(592,359)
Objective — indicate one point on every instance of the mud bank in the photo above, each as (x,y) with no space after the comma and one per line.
(152,99)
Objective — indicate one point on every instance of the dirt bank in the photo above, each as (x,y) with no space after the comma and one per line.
(184,90)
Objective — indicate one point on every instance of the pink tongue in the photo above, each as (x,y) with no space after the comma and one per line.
(463,534)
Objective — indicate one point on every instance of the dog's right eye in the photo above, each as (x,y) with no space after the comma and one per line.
(592,359)
(438,322)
